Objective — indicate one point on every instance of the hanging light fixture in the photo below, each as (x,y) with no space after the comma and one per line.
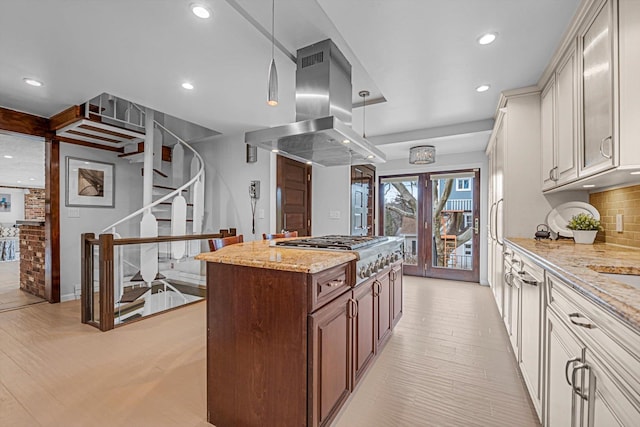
(422,155)
(363,94)
(273,73)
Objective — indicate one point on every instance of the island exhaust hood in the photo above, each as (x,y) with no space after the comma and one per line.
(322,132)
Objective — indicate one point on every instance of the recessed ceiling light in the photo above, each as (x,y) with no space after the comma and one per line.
(487,38)
(19,182)
(187,85)
(589,185)
(32,179)
(275,150)
(370,156)
(32,82)
(6,156)
(632,173)
(200,11)
(309,162)
(482,88)
(345,141)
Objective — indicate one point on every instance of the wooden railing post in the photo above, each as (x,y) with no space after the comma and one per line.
(86,277)
(106,282)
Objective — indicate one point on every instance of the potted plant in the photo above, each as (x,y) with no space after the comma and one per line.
(585,227)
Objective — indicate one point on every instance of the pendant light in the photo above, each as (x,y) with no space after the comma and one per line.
(363,94)
(273,73)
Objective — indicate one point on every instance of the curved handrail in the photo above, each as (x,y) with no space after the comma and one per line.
(169,195)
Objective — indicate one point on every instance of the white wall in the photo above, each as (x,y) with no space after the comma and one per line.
(331,192)
(472,160)
(17,205)
(227,178)
(128,197)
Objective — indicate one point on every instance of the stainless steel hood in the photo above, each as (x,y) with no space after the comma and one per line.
(322,133)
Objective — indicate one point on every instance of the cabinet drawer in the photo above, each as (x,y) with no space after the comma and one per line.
(329,284)
(616,343)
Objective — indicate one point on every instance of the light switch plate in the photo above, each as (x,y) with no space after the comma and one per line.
(619,223)
(73,213)
(260,213)
(334,214)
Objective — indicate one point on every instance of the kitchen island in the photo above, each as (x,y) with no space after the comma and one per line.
(290,332)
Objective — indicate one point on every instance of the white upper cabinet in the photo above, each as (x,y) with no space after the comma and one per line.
(590,132)
(596,45)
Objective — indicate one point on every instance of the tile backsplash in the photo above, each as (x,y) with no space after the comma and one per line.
(625,201)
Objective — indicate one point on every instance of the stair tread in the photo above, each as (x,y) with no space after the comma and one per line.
(169,203)
(169,219)
(132,294)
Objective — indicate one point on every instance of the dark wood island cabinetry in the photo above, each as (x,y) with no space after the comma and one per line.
(289,333)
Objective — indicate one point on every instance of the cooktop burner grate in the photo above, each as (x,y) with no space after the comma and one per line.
(345,243)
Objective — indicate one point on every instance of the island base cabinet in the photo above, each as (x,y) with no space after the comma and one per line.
(384,301)
(330,359)
(364,337)
(395,276)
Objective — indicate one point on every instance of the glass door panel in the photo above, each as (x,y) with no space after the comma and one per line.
(400,216)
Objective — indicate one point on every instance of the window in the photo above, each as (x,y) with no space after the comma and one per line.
(467,220)
(463,184)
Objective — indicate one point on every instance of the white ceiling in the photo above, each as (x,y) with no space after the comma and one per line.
(26,167)
(421,55)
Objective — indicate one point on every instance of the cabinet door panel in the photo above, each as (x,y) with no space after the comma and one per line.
(547,134)
(566,121)
(330,364)
(396,282)
(530,355)
(597,95)
(364,346)
(384,308)
(563,410)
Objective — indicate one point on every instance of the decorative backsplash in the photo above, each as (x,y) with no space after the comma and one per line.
(625,201)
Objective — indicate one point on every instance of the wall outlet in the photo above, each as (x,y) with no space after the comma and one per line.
(73,212)
(619,223)
(261,213)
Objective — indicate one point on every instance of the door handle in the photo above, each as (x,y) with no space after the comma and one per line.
(566,368)
(491,221)
(578,390)
(606,156)
(501,243)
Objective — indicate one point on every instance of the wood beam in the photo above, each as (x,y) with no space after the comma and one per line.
(18,122)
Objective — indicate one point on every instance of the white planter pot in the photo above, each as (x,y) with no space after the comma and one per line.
(585,237)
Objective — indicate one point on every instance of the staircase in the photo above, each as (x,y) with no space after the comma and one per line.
(159,275)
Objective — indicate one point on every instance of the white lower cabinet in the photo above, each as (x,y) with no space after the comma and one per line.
(592,364)
(564,351)
(580,364)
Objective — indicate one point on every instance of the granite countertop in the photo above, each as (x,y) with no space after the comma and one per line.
(260,254)
(571,262)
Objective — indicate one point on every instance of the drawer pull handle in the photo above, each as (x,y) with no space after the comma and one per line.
(377,290)
(566,368)
(392,275)
(335,283)
(527,278)
(572,316)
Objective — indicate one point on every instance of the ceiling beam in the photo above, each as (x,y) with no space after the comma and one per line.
(24,123)
(431,133)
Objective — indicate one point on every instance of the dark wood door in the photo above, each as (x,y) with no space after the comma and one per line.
(362,211)
(364,333)
(384,300)
(293,196)
(396,286)
(330,332)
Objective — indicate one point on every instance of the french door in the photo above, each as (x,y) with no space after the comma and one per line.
(437,213)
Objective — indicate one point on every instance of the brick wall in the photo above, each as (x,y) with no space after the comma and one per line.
(625,201)
(34,204)
(32,250)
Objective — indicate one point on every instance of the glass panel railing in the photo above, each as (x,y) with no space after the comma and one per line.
(124,279)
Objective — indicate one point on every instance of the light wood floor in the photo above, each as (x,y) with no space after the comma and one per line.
(447,363)
(11,296)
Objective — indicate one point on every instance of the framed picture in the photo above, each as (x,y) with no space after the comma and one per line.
(5,202)
(90,183)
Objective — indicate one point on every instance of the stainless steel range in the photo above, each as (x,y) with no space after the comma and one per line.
(374,253)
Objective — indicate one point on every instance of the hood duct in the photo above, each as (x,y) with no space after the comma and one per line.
(322,132)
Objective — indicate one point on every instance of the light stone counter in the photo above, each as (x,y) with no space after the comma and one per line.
(259,254)
(571,262)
